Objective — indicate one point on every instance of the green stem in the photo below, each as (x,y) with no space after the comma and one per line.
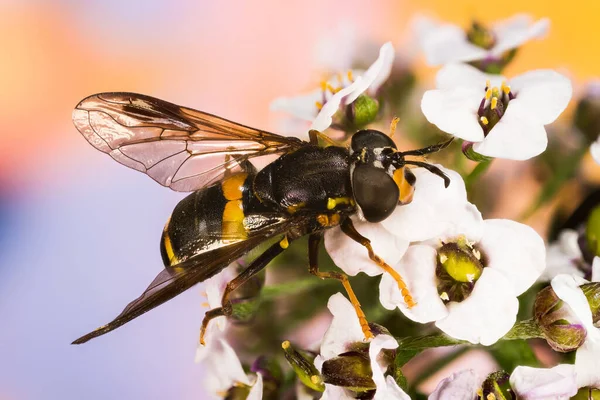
(476,172)
(526,329)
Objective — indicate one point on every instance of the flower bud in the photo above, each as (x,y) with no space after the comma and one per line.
(361,111)
(467,149)
(271,374)
(351,370)
(497,387)
(592,294)
(592,231)
(302,362)
(587,393)
(587,113)
(559,324)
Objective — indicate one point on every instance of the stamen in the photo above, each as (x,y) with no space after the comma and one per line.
(444,296)
(491,396)
(480,392)
(319,105)
(494,103)
(205,305)
(487,84)
(331,88)
(505,88)
(285,344)
(476,253)
(323,85)
(340,78)
(484,120)
(471,277)
(488,94)
(350,76)
(443,258)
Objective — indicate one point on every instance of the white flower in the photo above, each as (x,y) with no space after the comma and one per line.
(458,386)
(434,211)
(343,334)
(446,43)
(563,256)
(342,89)
(214,288)
(587,359)
(558,383)
(595,150)
(509,257)
(504,119)
(224,370)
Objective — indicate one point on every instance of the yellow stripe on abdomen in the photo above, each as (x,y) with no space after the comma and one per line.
(232,226)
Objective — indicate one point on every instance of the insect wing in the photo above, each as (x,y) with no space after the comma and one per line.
(174,280)
(178,147)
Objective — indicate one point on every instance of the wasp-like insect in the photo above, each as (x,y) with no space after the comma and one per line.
(234,208)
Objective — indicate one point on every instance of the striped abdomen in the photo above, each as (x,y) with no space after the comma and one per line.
(213,217)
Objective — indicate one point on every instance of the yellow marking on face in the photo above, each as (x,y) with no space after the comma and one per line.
(232,225)
(406,189)
(168,245)
(333,202)
(233,186)
(284,243)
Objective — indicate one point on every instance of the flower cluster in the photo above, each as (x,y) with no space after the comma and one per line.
(434,259)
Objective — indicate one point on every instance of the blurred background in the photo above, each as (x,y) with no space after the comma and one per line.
(79,233)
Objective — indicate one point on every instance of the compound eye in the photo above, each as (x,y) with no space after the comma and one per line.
(375,192)
(371,139)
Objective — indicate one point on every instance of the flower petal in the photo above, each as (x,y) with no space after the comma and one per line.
(454,111)
(377,73)
(595,150)
(463,75)
(596,269)
(445,43)
(303,106)
(556,383)
(224,368)
(459,385)
(352,257)
(333,392)
(434,210)
(392,391)
(517,30)
(344,330)
(487,314)
(324,118)
(567,289)
(379,343)
(256,393)
(587,365)
(514,249)
(544,94)
(562,256)
(517,136)
(417,267)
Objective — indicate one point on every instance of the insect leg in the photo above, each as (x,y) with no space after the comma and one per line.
(315,135)
(393,125)
(255,267)
(314,240)
(349,229)
(429,149)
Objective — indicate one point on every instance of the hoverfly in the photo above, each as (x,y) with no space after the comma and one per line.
(233,208)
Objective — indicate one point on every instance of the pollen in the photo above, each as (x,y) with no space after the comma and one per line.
(443,258)
(444,296)
(494,103)
(315,379)
(480,392)
(350,76)
(285,345)
(491,396)
(319,105)
(323,85)
(331,88)
(205,305)
(284,243)
(488,93)
(484,120)
(487,84)
(505,88)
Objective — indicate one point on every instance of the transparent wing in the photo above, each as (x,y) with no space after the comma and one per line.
(178,147)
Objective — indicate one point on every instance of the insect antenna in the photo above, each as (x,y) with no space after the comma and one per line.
(429,149)
(431,168)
